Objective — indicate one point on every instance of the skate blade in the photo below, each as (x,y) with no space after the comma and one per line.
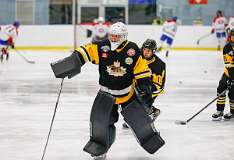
(102,157)
(217,119)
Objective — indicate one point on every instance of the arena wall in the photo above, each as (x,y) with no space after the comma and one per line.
(58,37)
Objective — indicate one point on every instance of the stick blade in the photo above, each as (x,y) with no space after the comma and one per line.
(32,62)
(180,122)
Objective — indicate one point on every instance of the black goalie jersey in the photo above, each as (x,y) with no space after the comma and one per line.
(118,69)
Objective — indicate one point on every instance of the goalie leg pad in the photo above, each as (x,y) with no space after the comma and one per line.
(102,129)
(142,126)
(69,66)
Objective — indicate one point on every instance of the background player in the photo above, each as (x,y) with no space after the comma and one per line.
(168,35)
(219,24)
(8,35)
(100,30)
(158,77)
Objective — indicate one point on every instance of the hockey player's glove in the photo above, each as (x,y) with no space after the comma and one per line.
(12,46)
(144,92)
(10,41)
(230,84)
(212,31)
(67,67)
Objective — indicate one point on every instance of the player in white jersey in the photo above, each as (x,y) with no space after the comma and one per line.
(8,35)
(168,35)
(219,27)
(100,31)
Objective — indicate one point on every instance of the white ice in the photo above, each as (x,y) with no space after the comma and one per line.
(28,93)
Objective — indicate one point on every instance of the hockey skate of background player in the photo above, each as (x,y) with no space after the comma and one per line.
(168,35)
(121,67)
(8,35)
(226,81)
(158,77)
(219,24)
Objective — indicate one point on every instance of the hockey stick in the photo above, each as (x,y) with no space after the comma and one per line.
(22,56)
(203,37)
(52,121)
(188,120)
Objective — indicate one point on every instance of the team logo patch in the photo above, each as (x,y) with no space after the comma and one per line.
(116,70)
(129,60)
(105,48)
(131,52)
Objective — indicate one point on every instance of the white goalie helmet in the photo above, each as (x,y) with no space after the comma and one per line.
(117,34)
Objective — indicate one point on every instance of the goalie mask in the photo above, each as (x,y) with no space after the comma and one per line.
(117,35)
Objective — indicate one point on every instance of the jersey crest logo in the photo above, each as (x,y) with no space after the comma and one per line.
(105,48)
(131,52)
(116,70)
(129,60)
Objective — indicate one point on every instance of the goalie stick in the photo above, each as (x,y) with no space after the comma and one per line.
(52,121)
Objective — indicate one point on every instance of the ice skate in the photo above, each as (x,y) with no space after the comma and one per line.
(228,116)
(101,157)
(217,116)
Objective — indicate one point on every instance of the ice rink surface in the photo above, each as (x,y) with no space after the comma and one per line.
(28,94)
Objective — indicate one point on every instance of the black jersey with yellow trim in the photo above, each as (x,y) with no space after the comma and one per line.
(117,69)
(158,74)
(228,57)
(228,54)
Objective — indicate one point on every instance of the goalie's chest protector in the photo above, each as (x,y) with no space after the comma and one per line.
(116,67)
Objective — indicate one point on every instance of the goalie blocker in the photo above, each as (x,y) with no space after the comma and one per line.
(67,67)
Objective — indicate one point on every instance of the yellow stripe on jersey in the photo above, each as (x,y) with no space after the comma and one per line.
(228,59)
(120,100)
(226,72)
(141,69)
(158,79)
(89,51)
(156,94)
(120,49)
(83,53)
